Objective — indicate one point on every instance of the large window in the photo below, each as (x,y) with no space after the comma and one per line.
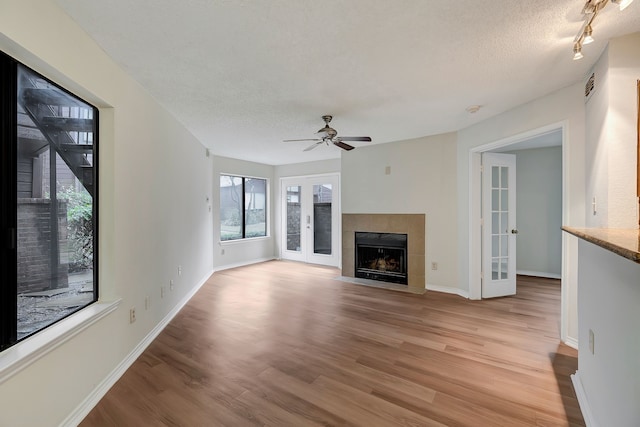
(48,188)
(243,207)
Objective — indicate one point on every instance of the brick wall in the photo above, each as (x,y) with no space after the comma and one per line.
(35,269)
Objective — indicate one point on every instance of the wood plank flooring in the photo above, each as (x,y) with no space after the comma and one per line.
(286,344)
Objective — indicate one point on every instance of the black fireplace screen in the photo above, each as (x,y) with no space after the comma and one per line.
(381,256)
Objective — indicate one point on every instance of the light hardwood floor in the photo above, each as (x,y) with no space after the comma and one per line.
(285,344)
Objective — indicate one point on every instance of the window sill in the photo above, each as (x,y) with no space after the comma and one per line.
(16,358)
(238,241)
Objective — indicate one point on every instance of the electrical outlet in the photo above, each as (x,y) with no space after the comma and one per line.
(161,291)
(179,270)
(147,302)
(170,285)
(132,314)
(592,342)
(222,252)
(434,265)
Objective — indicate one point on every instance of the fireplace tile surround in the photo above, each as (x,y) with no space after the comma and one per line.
(411,224)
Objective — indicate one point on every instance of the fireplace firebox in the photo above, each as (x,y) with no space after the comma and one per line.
(381,256)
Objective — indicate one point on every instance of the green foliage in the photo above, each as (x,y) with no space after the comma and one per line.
(80,226)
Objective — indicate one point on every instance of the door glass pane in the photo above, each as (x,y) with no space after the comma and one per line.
(504,200)
(494,270)
(322,198)
(495,200)
(294,198)
(504,177)
(495,176)
(495,246)
(495,221)
(230,207)
(55,239)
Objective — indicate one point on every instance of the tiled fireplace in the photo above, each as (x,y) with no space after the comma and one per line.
(385,225)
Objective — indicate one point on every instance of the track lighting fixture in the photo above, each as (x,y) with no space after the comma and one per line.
(590,11)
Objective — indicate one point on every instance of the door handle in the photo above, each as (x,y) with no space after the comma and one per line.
(514,231)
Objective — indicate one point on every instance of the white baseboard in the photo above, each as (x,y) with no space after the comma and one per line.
(539,274)
(243,263)
(101,389)
(582,400)
(448,290)
(571,342)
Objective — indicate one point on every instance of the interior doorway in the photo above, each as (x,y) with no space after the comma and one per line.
(552,135)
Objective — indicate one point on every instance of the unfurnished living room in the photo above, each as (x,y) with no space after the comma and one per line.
(298,213)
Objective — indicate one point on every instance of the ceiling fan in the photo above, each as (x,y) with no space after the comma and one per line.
(330,135)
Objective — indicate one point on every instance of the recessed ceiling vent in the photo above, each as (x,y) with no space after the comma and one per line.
(588,87)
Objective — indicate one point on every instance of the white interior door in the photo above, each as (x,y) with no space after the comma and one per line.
(499,225)
(310,219)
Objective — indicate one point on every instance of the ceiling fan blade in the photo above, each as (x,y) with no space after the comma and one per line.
(298,140)
(343,145)
(356,138)
(313,146)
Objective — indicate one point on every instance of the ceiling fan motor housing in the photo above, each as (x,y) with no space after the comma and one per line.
(329,132)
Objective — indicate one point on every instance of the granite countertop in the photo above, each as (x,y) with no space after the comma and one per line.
(624,242)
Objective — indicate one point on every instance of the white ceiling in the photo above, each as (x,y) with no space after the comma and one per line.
(242,75)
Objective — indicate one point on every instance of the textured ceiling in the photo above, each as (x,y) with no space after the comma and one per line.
(243,75)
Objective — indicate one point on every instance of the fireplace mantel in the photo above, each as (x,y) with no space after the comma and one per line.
(411,224)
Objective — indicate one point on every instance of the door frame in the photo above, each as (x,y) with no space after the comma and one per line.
(475,216)
(336,225)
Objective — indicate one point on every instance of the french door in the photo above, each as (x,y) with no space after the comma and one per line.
(310,219)
(499,225)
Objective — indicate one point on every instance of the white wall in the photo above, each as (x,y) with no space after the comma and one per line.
(247,251)
(320,167)
(609,291)
(611,135)
(539,211)
(609,298)
(154,181)
(596,155)
(422,180)
(562,108)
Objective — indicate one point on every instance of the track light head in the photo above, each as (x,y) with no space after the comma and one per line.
(577,52)
(588,38)
(622,3)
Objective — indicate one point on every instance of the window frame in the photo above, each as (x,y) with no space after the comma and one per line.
(243,226)
(9,220)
